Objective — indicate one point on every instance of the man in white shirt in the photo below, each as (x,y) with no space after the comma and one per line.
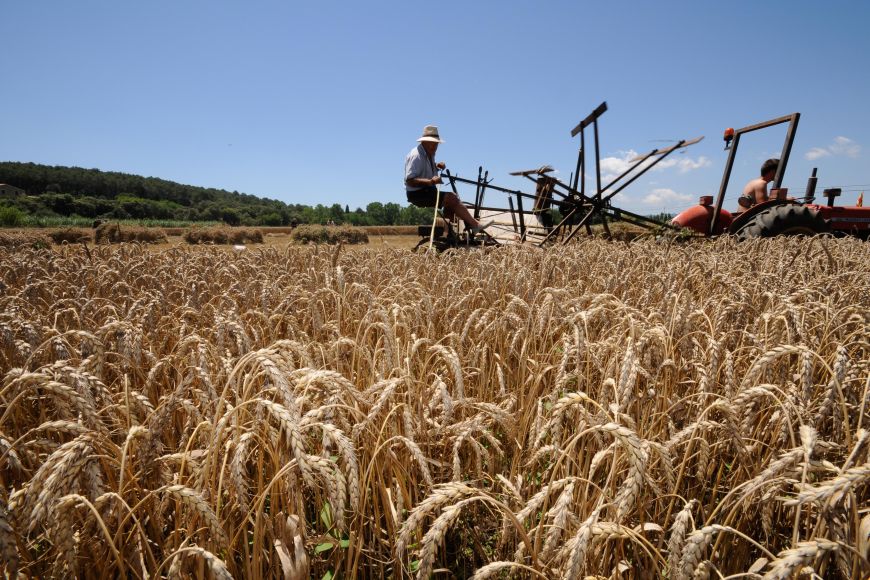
(422,179)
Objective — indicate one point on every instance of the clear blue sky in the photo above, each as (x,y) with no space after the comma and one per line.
(319,102)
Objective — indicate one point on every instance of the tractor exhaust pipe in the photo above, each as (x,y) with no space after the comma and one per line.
(810,195)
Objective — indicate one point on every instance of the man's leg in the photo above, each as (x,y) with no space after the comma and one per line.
(452,205)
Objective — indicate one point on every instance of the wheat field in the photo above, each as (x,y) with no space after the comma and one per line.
(606,410)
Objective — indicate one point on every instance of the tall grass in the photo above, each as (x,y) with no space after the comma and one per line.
(609,410)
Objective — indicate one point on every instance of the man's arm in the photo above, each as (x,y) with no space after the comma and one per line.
(414,168)
(423,181)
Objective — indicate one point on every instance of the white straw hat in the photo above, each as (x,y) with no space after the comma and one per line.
(430,133)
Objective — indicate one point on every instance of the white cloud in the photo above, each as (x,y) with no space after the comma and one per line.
(683,164)
(842,146)
(614,166)
(816,153)
(845,146)
(664,195)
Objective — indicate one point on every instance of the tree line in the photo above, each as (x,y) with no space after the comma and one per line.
(57,191)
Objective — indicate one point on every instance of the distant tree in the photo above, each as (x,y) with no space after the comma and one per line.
(91,207)
(391,213)
(143,209)
(412,215)
(119,213)
(662,217)
(33,206)
(375,211)
(272,219)
(210,212)
(358,218)
(61,204)
(230,216)
(93,193)
(319,214)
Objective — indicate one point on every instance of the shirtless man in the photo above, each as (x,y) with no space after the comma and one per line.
(755,191)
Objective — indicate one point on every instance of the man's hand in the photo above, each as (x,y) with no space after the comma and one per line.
(441,165)
(436,180)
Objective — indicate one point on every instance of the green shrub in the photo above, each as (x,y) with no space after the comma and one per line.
(11,217)
(329,235)
(272,219)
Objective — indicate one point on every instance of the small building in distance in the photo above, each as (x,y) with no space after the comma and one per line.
(7,190)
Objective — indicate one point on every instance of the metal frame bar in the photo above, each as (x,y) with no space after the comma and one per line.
(513,216)
(599,203)
(572,195)
(477,193)
(522,218)
(792,120)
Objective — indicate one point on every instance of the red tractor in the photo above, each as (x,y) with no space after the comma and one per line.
(780,215)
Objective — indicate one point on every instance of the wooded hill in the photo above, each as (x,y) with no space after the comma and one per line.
(57,191)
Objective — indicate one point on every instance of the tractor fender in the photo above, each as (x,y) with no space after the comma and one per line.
(698,218)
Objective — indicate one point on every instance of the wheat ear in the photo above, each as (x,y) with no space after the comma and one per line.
(194,500)
(833,488)
(217,566)
(790,561)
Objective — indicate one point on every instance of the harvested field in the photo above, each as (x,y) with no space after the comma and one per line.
(632,410)
(163,238)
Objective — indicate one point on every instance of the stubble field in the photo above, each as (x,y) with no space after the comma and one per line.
(607,410)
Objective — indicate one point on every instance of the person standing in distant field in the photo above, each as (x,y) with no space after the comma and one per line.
(422,179)
(755,191)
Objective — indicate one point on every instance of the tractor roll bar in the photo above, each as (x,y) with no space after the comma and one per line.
(792,120)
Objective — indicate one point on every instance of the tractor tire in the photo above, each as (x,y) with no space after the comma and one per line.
(439,245)
(784,220)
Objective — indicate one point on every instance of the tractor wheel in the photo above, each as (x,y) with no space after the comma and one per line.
(784,220)
(439,245)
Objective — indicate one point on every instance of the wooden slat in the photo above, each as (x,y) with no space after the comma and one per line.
(655,152)
(543,169)
(588,120)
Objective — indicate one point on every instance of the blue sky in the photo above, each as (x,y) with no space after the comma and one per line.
(319,102)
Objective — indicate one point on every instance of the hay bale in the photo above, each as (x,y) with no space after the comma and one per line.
(223,235)
(109,233)
(16,240)
(70,236)
(311,234)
